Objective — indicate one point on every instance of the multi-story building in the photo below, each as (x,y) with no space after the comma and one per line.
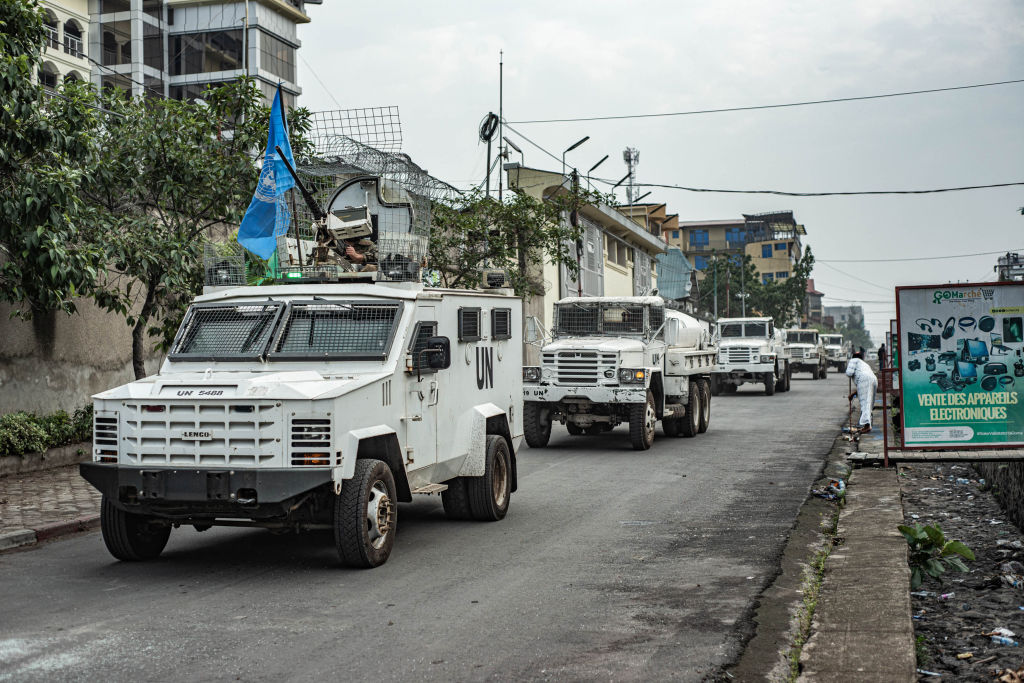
(175,48)
(67,36)
(618,251)
(772,240)
(813,313)
(845,315)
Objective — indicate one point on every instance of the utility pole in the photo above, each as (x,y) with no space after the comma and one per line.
(574,221)
(501,119)
(716,287)
(743,289)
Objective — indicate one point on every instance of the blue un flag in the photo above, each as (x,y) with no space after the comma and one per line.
(268,217)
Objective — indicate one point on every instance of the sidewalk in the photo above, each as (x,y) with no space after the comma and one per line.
(41,505)
(862,628)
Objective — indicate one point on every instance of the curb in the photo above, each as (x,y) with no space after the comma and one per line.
(17,538)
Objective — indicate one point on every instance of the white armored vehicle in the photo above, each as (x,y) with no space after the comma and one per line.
(620,359)
(807,352)
(835,351)
(750,350)
(315,406)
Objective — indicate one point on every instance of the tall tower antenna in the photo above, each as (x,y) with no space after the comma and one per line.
(631,156)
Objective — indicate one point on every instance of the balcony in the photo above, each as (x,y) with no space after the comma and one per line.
(73,45)
(52,37)
(715,245)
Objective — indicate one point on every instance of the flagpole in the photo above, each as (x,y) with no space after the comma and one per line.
(295,215)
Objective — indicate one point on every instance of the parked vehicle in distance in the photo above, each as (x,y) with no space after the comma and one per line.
(315,406)
(750,350)
(836,352)
(615,360)
(807,352)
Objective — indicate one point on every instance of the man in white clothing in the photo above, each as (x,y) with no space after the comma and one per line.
(866,383)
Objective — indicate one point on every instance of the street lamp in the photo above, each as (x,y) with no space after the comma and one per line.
(571,148)
(637,199)
(522,157)
(603,159)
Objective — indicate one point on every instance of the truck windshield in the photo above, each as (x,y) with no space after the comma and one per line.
(578,319)
(833,341)
(802,337)
(743,330)
(345,329)
(226,331)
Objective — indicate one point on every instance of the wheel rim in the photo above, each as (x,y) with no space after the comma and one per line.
(649,420)
(695,413)
(380,513)
(499,481)
(705,406)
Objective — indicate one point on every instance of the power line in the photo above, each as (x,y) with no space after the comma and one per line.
(919,258)
(310,67)
(867,282)
(784,193)
(772,106)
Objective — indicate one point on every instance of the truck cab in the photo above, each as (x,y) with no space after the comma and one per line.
(300,406)
(750,350)
(836,352)
(619,359)
(807,352)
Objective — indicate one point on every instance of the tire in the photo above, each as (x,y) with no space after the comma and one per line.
(815,374)
(824,373)
(705,405)
(670,426)
(131,538)
(455,499)
(769,384)
(537,434)
(366,516)
(597,428)
(689,425)
(842,367)
(573,429)
(789,378)
(642,419)
(489,495)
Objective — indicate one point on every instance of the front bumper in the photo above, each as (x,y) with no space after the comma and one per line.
(211,492)
(550,393)
(745,369)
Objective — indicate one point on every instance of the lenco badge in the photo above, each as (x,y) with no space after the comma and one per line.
(196,436)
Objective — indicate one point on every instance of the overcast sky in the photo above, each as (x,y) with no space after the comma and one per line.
(438,62)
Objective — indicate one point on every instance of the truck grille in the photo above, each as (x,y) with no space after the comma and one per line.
(578,368)
(797,352)
(736,354)
(310,441)
(210,434)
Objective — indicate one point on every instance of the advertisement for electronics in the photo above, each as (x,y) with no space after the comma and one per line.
(962,365)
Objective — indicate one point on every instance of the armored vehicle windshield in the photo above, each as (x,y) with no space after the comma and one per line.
(802,337)
(753,329)
(577,319)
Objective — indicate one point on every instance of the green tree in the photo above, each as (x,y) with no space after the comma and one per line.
(476,232)
(783,300)
(46,154)
(735,277)
(168,173)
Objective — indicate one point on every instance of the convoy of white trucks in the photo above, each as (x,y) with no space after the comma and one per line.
(615,360)
(323,399)
(837,352)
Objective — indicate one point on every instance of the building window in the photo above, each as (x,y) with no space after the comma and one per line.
(277,57)
(766,278)
(117,42)
(191,91)
(107,6)
(196,53)
(766,251)
(781,275)
(153,47)
(287,99)
(734,235)
(619,253)
(675,234)
(780,246)
(700,262)
(698,238)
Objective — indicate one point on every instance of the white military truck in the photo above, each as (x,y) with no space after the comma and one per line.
(835,351)
(315,406)
(806,352)
(619,359)
(750,350)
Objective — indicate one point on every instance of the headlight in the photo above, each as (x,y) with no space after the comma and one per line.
(531,373)
(630,376)
(812,354)
(755,358)
(768,358)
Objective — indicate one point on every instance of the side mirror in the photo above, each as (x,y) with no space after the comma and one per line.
(533,334)
(672,331)
(439,353)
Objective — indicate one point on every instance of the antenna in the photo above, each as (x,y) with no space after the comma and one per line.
(631,156)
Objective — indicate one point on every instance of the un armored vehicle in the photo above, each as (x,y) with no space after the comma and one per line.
(615,360)
(807,352)
(750,350)
(315,406)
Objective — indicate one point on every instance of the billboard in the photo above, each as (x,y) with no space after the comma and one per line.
(961,361)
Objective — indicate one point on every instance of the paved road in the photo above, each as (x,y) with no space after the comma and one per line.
(612,564)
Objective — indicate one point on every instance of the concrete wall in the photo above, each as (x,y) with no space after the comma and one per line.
(1007,482)
(58,362)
